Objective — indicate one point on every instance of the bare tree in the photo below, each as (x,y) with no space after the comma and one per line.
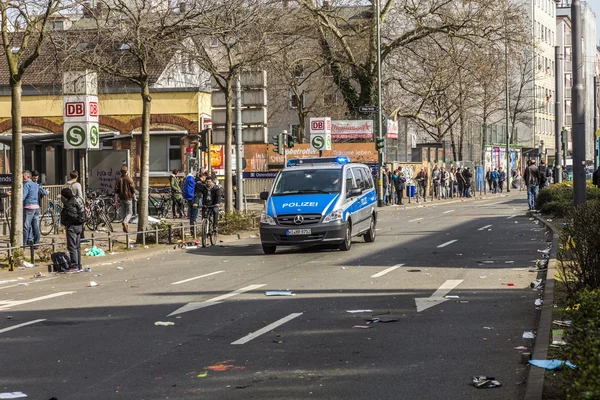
(24,25)
(128,41)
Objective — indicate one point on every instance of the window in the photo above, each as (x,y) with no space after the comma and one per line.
(350,183)
(165,153)
(296,101)
(58,25)
(367,178)
(360,182)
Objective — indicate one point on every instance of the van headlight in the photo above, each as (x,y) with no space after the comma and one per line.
(334,216)
(265,218)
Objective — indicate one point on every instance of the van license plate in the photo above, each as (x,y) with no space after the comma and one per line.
(291,232)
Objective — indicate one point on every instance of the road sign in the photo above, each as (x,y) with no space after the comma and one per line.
(320,125)
(94,136)
(80,109)
(598,133)
(320,141)
(367,109)
(81,135)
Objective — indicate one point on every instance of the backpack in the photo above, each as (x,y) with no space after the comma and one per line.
(543,173)
(74,212)
(189,188)
(61,261)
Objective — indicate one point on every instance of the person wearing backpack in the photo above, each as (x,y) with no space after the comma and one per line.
(193,196)
(72,217)
(543,171)
(495,177)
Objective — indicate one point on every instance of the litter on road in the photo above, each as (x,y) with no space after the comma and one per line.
(452,297)
(537,284)
(203,375)
(510,284)
(12,395)
(521,348)
(95,252)
(120,268)
(358,311)
(92,284)
(562,323)
(528,335)
(280,293)
(162,323)
(485,382)
(552,364)
(362,326)
(538,302)
(557,337)
(375,320)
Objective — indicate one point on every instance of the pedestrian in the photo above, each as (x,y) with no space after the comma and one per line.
(399,185)
(35,177)
(386,184)
(596,177)
(443,182)
(176,196)
(74,185)
(460,180)
(422,181)
(501,179)
(532,180)
(544,174)
(125,193)
(488,178)
(495,176)
(452,182)
(467,175)
(211,196)
(31,210)
(72,217)
(190,193)
(435,182)
(391,193)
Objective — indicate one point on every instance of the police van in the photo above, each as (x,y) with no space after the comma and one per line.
(319,201)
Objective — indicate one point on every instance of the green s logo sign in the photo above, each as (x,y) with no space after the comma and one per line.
(75,136)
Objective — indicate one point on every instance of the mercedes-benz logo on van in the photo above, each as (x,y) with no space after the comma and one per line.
(298,219)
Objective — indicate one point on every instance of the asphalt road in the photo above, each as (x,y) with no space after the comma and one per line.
(102,342)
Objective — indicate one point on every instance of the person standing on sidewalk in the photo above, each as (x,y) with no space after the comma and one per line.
(544,174)
(532,180)
(501,179)
(74,185)
(495,177)
(176,196)
(191,192)
(35,177)
(399,185)
(125,193)
(422,184)
(452,182)
(386,185)
(468,176)
(488,178)
(72,217)
(596,177)
(31,210)
(435,183)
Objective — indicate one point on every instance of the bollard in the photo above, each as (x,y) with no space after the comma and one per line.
(127,240)
(11,264)
(53,245)
(182,232)
(195,233)
(32,253)
(169,234)
(156,235)
(93,240)
(144,238)
(110,243)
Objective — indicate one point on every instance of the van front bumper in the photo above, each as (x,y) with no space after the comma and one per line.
(333,232)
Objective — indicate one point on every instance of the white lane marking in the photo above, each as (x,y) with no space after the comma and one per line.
(511,217)
(415,220)
(10,328)
(214,301)
(266,329)
(196,277)
(449,211)
(35,281)
(447,243)
(385,271)
(484,227)
(19,302)
(437,297)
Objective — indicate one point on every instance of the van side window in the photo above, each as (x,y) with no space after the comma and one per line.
(368,179)
(350,183)
(360,182)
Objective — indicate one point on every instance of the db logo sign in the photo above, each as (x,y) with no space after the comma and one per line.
(317,125)
(93,109)
(75,109)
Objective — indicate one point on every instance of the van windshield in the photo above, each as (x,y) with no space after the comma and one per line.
(308,181)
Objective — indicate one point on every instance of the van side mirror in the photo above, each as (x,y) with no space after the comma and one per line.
(355,192)
(264,196)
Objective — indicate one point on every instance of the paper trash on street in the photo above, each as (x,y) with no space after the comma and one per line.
(279,293)
(12,395)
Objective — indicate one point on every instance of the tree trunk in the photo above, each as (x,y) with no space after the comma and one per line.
(453,144)
(462,134)
(228,144)
(16,165)
(145,160)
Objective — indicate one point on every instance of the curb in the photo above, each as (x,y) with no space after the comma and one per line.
(535,380)
(440,202)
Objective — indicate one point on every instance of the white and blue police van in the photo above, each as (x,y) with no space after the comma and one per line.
(319,201)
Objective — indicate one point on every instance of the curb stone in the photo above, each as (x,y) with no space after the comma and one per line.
(535,380)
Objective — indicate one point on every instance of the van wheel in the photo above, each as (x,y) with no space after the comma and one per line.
(267,249)
(347,243)
(370,235)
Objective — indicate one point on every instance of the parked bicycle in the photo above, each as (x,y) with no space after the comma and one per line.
(95,213)
(108,201)
(209,229)
(50,219)
(160,200)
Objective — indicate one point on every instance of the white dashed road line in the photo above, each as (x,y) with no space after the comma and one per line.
(8,304)
(214,301)
(415,220)
(266,329)
(10,328)
(385,271)
(449,211)
(196,277)
(447,243)
(511,217)
(483,228)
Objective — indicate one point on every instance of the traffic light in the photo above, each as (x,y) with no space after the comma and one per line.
(290,141)
(379,144)
(277,142)
(204,139)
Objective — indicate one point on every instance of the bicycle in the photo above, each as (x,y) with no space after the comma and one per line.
(95,214)
(162,204)
(209,230)
(50,220)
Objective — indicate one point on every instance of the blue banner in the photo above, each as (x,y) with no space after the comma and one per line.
(260,174)
(5,179)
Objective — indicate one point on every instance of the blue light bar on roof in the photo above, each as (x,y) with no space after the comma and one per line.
(323,160)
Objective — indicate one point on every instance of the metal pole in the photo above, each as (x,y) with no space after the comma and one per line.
(578,130)
(596,122)
(507,172)
(558,111)
(238,144)
(379,111)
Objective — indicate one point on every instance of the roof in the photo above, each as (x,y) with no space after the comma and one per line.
(64,51)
